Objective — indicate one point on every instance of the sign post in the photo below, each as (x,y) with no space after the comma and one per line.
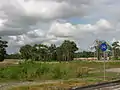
(103,47)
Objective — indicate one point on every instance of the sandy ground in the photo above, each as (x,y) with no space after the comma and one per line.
(7,86)
(10,61)
(117,70)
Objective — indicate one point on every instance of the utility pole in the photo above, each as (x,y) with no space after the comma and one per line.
(104,65)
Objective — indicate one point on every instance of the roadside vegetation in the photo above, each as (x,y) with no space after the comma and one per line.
(43,71)
(53,71)
(41,62)
(83,73)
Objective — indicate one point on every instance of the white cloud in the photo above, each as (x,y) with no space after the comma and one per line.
(60,31)
(49,9)
(113,40)
(23,16)
(44,21)
(102,23)
(79,30)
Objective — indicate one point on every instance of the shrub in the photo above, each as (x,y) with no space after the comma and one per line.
(80,72)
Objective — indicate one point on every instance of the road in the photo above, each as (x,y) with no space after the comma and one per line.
(113,85)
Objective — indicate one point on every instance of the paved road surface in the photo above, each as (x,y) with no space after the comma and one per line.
(113,85)
(116,87)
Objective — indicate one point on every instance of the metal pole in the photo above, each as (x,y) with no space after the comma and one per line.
(104,67)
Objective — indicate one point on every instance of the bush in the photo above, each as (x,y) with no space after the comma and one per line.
(80,72)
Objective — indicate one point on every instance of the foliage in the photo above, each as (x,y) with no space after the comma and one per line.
(3,45)
(65,52)
(31,71)
(49,71)
(84,54)
(68,49)
(13,56)
(52,52)
(26,52)
(116,50)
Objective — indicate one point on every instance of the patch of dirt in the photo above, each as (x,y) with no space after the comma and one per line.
(117,70)
(9,62)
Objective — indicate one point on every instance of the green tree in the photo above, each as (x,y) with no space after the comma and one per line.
(3,46)
(26,52)
(116,49)
(84,54)
(13,56)
(44,53)
(52,52)
(59,53)
(98,50)
(67,50)
(40,52)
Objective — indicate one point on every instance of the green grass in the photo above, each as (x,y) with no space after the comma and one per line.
(32,71)
(52,71)
(85,71)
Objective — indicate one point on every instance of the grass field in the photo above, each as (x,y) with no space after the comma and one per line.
(87,72)
(54,70)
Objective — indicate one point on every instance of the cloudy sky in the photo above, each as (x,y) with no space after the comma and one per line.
(52,21)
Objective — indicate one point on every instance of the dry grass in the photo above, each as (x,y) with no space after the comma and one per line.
(56,86)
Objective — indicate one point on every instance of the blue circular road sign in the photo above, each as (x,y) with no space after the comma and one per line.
(103,47)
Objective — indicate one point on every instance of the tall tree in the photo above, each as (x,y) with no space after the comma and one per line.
(97,48)
(40,52)
(26,52)
(59,53)
(68,49)
(3,46)
(116,49)
(52,52)
(44,53)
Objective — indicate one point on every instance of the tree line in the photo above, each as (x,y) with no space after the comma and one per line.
(3,46)
(40,52)
(65,52)
(84,54)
